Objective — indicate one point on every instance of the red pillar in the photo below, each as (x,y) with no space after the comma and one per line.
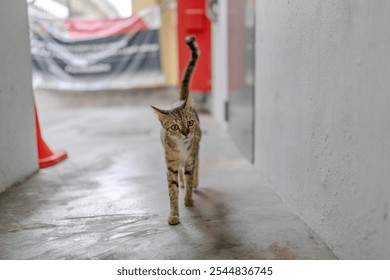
(192,19)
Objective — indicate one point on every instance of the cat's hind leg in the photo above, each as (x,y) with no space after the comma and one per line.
(196,174)
(181,178)
(189,181)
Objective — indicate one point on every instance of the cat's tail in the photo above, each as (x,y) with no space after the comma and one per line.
(185,82)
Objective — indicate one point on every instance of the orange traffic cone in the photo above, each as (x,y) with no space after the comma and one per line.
(46,156)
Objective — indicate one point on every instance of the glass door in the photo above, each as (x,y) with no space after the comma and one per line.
(241,63)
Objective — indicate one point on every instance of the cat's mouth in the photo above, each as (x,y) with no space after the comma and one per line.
(187,137)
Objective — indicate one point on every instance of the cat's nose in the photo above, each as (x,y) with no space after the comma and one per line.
(186,132)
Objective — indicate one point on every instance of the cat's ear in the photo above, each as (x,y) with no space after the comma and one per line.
(187,105)
(162,114)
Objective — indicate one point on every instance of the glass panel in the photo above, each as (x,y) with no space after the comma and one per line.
(241,40)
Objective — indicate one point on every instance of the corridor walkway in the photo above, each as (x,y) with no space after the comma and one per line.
(109,200)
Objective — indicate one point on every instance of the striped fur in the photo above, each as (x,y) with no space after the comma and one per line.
(180,136)
(185,82)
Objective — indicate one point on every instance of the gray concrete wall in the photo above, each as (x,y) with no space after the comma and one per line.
(323,117)
(18,154)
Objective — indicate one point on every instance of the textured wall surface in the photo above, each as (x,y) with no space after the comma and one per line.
(323,117)
(18,157)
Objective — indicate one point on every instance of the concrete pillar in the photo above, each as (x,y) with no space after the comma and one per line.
(168,37)
(18,148)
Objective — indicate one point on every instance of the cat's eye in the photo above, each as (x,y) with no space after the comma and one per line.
(174,127)
(190,123)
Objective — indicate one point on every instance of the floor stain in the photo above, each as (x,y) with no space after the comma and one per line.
(281,252)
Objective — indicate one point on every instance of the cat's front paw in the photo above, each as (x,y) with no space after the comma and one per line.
(173,220)
(189,202)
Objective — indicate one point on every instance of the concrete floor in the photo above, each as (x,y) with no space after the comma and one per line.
(109,200)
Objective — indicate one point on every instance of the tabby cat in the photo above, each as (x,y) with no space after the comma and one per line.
(180,136)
